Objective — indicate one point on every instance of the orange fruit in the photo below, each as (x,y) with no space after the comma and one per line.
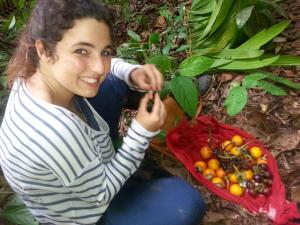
(248,174)
(218,182)
(233,178)
(256,152)
(236,190)
(206,152)
(235,151)
(227,145)
(213,164)
(237,140)
(220,172)
(209,173)
(200,166)
(261,161)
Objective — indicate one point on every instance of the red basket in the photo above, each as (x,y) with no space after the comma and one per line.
(185,141)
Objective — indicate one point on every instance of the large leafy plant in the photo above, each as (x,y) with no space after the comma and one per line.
(218,30)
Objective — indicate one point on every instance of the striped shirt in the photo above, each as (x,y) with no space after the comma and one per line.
(65,171)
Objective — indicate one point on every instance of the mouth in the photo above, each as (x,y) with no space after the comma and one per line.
(89,80)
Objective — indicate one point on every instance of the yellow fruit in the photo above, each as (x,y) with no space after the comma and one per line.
(256,152)
(218,182)
(213,164)
(248,174)
(206,152)
(209,173)
(235,151)
(227,145)
(233,178)
(237,140)
(260,161)
(220,172)
(236,190)
(200,166)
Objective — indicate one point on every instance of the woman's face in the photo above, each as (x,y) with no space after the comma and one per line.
(82,58)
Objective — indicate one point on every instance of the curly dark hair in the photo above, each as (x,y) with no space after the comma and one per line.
(48,22)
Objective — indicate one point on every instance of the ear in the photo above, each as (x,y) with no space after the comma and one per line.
(41,51)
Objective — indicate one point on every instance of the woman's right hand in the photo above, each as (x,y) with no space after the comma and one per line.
(152,121)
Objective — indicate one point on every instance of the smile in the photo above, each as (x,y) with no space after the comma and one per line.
(89,80)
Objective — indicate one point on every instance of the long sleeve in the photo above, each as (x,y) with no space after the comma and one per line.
(122,70)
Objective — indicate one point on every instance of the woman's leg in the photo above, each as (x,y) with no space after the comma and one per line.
(163,201)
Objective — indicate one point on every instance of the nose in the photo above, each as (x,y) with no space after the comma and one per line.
(98,65)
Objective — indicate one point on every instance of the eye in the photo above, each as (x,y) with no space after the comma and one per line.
(107,53)
(81,51)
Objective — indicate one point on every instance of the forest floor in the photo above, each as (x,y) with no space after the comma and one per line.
(275,121)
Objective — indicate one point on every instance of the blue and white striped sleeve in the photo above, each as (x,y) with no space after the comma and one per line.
(97,182)
(122,70)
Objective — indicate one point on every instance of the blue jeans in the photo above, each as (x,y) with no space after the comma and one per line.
(164,200)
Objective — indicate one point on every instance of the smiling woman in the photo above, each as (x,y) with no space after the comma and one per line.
(56,149)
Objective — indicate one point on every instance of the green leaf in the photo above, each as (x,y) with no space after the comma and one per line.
(243,16)
(265,36)
(220,62)
(154,38)
(237,53)
(134,35)
(185,94)
(236,100)
(287,60)
(16,212)
(283,81)
(249,63)
(195,65)
(251,80)
(162,62)
(271,88)
(165,91)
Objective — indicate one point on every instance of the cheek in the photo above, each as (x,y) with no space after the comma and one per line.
(79,64)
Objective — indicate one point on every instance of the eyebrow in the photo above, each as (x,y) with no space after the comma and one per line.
(90,45)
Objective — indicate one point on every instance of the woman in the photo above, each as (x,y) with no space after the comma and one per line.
(55,149)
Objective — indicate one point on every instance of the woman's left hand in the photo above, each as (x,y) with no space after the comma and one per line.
(147,78)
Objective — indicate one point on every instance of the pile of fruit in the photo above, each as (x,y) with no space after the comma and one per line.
(235,166)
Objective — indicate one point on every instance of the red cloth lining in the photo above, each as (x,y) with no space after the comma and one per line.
(185,141)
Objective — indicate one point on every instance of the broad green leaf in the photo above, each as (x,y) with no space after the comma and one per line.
(287,60)
(154,38)
(17,213)
(249,64)
(236,100)
(284,81)
(251,80)
(271,88)
(195,65)
(237,53)
(165,91)
(202,6)
(265,36)
(243,16)
(134,35)
(220,62)
(221,38)
(163,62)
(222,14)
(185,94)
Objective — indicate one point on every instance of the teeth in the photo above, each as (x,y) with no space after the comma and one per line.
(89,80)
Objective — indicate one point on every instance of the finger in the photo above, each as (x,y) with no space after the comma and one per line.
(145,100)
(156,104)
(151,75)
(159,78)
